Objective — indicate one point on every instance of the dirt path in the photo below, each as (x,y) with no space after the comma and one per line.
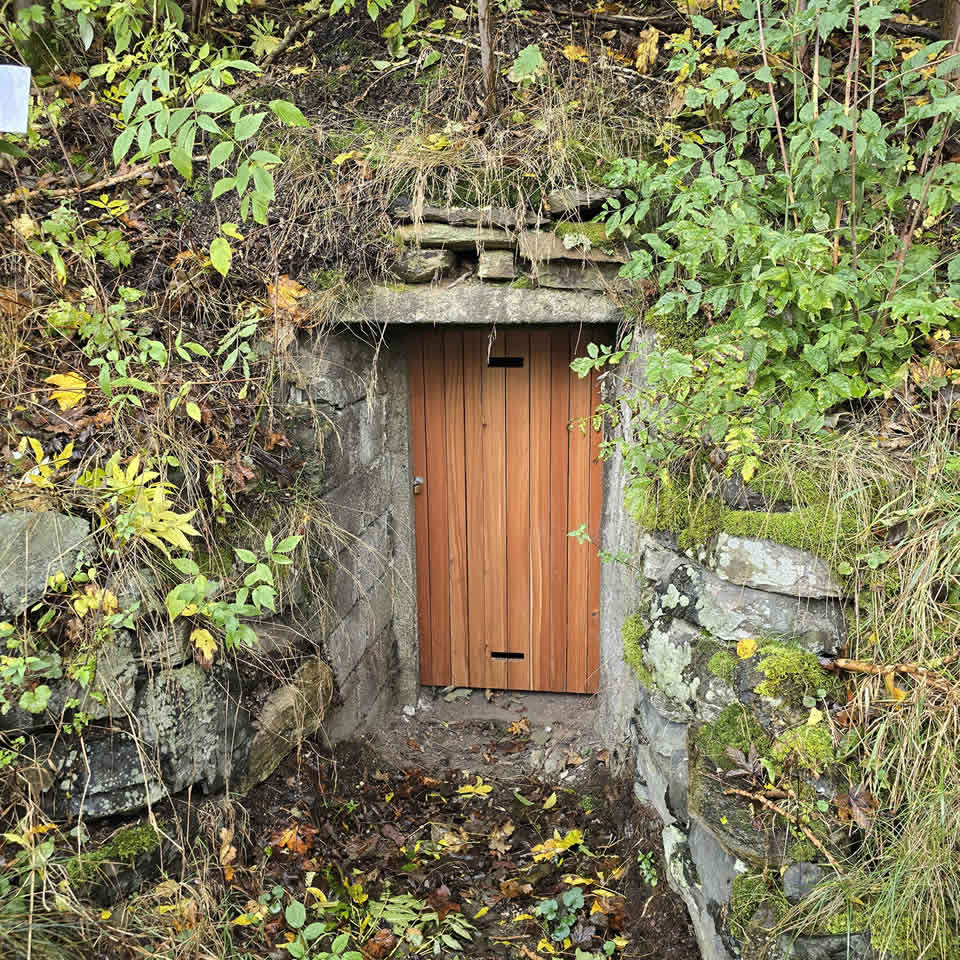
(487,829)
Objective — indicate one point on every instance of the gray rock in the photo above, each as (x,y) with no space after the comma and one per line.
(292,712)
(539,245)
(799,879)
(422,266)
(33,547)
(456,238)
(659,736)
(465,216)
(730,612)
(482,303)
(683,877)
(572,199)
(567,275)
(765,565)
(496,265)
(856,946)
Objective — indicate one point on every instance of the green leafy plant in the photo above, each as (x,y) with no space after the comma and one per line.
(648,867)
(561,916)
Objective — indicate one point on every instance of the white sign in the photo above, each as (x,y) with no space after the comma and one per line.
(14,98)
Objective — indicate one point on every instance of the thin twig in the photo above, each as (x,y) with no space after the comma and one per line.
(293,32)
(807,832)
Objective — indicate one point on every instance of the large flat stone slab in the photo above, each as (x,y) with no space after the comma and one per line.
(572,199)
(478,303)
(456,238)
(764,565)
(466,216)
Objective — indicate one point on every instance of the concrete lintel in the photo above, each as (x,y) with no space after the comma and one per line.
(482,303)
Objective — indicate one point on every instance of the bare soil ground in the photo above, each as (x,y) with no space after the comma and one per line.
(483,809)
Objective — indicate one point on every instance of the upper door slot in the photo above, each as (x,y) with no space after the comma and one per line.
(504,361)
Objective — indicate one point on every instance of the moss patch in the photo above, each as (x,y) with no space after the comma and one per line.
(722,664)
(811,747)
(734,727)
(792,673)
(595,233)
(813,524)
(635,629)
(125,846)
(749,892)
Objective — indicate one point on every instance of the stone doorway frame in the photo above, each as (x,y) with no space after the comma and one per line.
(391,310)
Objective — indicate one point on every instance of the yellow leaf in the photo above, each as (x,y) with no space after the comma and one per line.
(550,802)
(575,54)
(574,880)
(892,688)
(647,48)
(746,648)
(815,717)
(70,389)
(205,643)
(481,912)
(189,610)
(544,944)
(105,914)
(476,789)
(245,919)
(342,158)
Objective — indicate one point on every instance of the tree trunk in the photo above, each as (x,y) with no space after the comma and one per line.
(487,64)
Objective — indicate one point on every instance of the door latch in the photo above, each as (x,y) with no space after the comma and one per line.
(418,483)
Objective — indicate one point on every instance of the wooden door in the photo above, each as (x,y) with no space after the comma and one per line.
(505,598)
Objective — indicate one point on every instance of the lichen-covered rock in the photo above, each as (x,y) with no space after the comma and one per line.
(730,613)
(853,946)
(570,275)
(764,565)
(33,547)
(572,199)
(496,265)
(422,266)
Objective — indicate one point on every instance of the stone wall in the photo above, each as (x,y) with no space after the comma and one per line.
(161,721)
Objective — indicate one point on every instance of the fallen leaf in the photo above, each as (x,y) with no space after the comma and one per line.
(228,853)
(70,389)
(514,888)
(380,944)
(499,838)
(439,900)
(896,692)
(475,789)
(746,648)
(575,53)
(519,727)
(205,645)
(550,802)
(646,55)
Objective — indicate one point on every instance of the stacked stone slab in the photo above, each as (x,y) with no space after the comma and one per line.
(501,245)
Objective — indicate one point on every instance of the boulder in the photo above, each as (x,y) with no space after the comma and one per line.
(422,266)
(854,946)
(456,238)
(292,712)
(799,879)
(496,265)
(764,565)
(33,547)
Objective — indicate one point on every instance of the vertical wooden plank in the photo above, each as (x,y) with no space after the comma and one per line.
(556,649)
(493,437)
(578,504)
(595,570)
(540,449)
(418,465)
(474,361)
(436,482)
(456,505)
(517,508)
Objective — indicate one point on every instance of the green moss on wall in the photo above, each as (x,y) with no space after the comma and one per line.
(722,664)
(734,727)
(125,846)
(792,673)
(813,524)
(596,234)
(635,629)
(810,747)
(749,892)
